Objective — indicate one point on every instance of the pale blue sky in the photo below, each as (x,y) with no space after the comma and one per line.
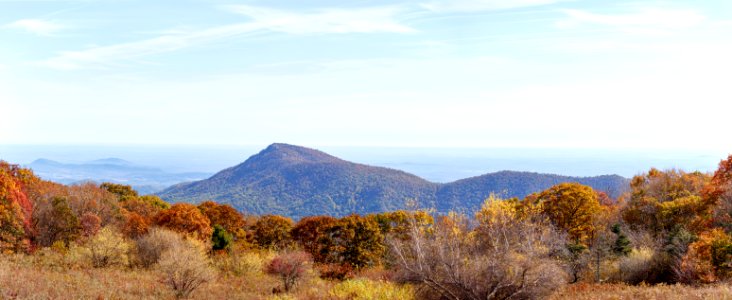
(432,73)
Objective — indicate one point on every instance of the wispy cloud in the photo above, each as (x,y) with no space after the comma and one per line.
(483,5)
(653,21)
(36,26)
(365,20)
(368,20)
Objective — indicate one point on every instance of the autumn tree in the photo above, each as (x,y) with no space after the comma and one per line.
(290,267)
(122,191)
(225,216)
(353,240)
(186,219)
(571,207)
(135,225)
(272,231)
(506,257)
(398,222)
(90,224)
(15,209)
(308,232)
(56,222)
(88,198)
(661,200)
(719,192)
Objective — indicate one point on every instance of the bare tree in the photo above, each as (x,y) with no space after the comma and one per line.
(506,258)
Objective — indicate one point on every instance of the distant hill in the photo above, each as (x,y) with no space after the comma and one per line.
(297,181)
(144,179)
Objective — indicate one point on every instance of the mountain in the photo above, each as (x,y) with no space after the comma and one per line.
(144,179)
(471,192)
(297,181)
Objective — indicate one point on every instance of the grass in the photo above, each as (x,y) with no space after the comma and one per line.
(583,291)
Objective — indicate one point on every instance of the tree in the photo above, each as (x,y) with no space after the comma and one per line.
(571,207)
(398,222)
(16,208)
(135,226)
(708,259)
(272,231)
(308,232)
(660,200)
(622,245)
(221,239)
(56,222)
(90,224)
(719,192)
(186,219)
(290,267)
(353,240)
(108,248)
(225,216)
(122,191)
(505,257)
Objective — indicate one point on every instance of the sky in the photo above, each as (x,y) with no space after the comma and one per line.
(424,73)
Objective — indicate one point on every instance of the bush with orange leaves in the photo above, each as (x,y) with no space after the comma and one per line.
(186,219)
(709,259)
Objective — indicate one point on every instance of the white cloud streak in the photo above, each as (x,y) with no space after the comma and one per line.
(369,20)
(646,21)
(36,26)
(483,5)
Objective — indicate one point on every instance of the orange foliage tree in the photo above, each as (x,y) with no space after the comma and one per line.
(225,216)
(16,208)
(662,200)
(309,230)
(571,207)
(187,219)
(719,191)
(272,231)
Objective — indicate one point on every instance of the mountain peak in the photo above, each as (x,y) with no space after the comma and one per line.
(293,154)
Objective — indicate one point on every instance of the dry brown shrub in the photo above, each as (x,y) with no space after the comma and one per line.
(151,246)
(185,268)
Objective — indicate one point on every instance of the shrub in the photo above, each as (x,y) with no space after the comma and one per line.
(336,271)
(290,267)
(108,248)
(363,289)
(240,263)
(636,266)
(151,247)
(185,268)
(506,257)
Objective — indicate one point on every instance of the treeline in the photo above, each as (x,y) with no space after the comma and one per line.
(671,227)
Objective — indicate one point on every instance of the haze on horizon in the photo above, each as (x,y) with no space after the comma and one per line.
(431,73)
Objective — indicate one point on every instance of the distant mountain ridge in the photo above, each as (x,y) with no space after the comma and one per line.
(297,181)
(144,179)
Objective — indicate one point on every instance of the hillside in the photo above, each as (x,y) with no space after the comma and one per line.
(297,181)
